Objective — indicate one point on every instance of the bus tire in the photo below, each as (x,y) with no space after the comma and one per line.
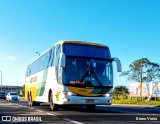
(29,99)
(37,103)
(53,106)
(31,102)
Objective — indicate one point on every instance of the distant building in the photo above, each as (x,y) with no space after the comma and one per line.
(7,88)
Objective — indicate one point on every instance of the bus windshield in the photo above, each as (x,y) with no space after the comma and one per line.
(87,72)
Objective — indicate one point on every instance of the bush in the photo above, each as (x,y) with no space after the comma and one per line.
(135,100)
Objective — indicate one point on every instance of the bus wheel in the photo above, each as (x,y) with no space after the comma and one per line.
(31,102)
(91,107)
(52,105)
(37,103)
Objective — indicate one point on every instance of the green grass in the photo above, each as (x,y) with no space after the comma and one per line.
(22,98)
(136,101)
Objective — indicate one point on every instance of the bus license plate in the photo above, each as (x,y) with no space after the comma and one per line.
(89,100)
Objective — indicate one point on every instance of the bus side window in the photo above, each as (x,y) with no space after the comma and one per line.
(58,69)
(108,71)
(26,75)
(52,59)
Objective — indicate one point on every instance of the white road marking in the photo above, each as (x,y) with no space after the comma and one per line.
(24,106)
(49,114)
(39,111)
(53,114)
(21,105)
(75,122)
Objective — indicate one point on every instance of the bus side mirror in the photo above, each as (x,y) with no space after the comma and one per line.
(62,60)
(118,62)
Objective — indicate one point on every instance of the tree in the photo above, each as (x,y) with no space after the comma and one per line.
(142,70)
(120,91)
(23,90)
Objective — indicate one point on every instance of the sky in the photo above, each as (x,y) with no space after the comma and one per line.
(131,29)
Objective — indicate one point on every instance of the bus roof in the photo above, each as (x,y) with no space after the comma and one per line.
(81,42)
(72,42)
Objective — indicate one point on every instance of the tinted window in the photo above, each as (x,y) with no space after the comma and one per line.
(58,69)
(2,93)
(13,93)
(81,69)
(86,51)
(42,63)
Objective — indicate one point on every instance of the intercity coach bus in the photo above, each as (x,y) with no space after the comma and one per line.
(71,73)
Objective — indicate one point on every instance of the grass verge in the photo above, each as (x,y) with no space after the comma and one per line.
(22,98)
(136,102)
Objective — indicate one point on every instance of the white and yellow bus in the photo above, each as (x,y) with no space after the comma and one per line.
(71,73)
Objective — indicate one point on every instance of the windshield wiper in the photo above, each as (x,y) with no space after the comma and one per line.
(90,72)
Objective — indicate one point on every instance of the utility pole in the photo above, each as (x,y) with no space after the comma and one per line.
(1,80)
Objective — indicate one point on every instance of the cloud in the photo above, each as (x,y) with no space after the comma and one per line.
(9,58)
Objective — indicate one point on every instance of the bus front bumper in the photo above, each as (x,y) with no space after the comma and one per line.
(79,100)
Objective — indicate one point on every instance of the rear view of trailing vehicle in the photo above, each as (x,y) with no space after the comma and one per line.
(12,96)
(2,95)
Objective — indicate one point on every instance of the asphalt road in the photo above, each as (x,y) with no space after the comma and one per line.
(20,112)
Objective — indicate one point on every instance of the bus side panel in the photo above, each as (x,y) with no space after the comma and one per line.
(32,85)
(50,83)
(26,88)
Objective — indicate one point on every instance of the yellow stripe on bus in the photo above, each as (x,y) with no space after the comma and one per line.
(82,91)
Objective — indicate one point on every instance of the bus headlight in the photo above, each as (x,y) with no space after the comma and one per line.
(69,93)
(107,95)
